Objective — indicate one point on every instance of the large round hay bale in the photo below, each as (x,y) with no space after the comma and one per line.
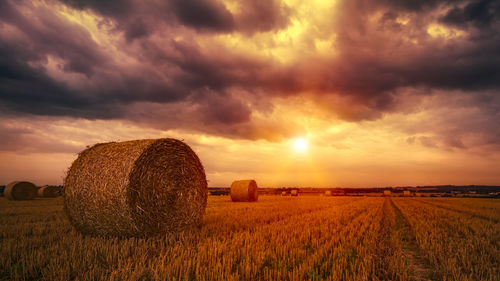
(48,191)
(136,188)
(244,191)
(20,190)
(328,193)
(294,192)
(283,193)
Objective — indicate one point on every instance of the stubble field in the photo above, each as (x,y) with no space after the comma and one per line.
(276,238)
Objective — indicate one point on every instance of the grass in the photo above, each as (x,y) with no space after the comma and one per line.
(276,238)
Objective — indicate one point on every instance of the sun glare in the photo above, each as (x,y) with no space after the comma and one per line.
(300,144)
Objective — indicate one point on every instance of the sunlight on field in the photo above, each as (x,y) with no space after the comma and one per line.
(277,238)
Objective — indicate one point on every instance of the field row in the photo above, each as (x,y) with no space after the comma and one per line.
(276,238)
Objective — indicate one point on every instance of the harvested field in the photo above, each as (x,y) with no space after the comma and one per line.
(276,238)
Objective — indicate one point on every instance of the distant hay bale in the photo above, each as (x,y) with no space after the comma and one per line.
(328,193)
(406,193)
(244,191)
(294,192)
(387,193)
(283,193)
(136,188)
(48,191)
(20,190)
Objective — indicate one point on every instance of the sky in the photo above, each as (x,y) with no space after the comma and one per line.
(377,92)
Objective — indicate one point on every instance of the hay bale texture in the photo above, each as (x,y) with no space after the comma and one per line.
(244,191)
(20,190)
(136,188)
(48,191)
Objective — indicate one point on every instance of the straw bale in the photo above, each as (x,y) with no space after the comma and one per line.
(20,190)
(136,188)
(294,192)
(244,191)
(48,191)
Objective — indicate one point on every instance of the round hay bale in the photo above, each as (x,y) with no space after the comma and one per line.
(283,193)
(328,193)
(294,192)
(136,188)
(20,190)
(48,191)
(244,191)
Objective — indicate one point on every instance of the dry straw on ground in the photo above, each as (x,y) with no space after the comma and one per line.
(244,191)
(136,188)
(20,190)
(48,191)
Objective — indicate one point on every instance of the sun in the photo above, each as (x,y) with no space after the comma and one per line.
(300,144)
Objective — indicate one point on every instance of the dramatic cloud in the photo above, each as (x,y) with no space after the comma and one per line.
(230,68)
(381,48)
(479,13)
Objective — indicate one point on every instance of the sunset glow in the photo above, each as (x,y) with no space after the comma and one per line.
(393,92)
(300,144)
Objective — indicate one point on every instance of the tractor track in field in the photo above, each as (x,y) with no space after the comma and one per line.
(384,251)
(464,212)
(420,267)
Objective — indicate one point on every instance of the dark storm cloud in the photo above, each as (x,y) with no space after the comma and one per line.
(376,62)
(136,29)
(30,90)
(108,7)
(26,87)
(480,13)
(416,5)
(53,36)
(215,72)
(222,109)
(198,14)
(378,59)
(264,15)
(203,14)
